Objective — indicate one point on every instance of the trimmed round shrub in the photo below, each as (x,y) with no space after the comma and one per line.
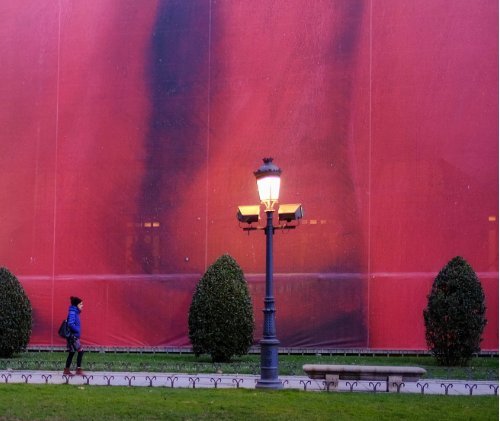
(15,315)
(455,314)
(221,319)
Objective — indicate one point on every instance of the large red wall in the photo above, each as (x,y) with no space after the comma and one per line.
(129,133)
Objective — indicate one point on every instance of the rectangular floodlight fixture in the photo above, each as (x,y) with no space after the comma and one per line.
(290,212)
(248,214)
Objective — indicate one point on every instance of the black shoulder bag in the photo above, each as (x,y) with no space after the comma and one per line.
(64,330)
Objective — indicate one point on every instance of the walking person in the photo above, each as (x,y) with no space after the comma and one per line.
(73,342)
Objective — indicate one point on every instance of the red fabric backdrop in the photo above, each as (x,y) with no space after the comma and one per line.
(130,132)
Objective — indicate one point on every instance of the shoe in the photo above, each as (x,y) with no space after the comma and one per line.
(66,372)
(79,372)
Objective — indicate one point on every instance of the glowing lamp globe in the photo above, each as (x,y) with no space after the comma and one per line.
(268,183)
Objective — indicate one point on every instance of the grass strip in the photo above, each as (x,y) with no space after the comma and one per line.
(67,402)
(480,368)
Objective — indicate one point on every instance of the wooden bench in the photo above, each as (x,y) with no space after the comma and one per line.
(393,375)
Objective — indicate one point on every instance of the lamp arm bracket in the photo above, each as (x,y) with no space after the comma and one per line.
(285,227)
(252,229)
(275,227)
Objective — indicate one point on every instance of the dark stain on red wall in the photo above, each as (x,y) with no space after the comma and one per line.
(177,69)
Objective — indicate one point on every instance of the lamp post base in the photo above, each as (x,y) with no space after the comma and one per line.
(269,365)
(269,384)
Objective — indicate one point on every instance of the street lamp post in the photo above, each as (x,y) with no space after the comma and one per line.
(268,183)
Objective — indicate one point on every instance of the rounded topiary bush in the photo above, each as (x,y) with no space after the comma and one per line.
(15,315)
(455,314)
(221,315)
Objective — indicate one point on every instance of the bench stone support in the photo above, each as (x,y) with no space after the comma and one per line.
(332,381)
(394,383)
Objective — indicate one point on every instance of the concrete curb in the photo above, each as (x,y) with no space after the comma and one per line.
(234,381)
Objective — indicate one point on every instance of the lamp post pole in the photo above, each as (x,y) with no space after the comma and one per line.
(269,343)
(268,184)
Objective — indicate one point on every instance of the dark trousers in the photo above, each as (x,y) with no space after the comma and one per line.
(79,358)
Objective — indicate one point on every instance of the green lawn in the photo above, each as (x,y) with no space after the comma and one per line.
(65,402)
(480,368)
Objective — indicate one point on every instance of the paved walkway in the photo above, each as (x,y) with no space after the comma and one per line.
(228,381)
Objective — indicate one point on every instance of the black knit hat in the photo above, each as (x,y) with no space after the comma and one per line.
(75,301)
